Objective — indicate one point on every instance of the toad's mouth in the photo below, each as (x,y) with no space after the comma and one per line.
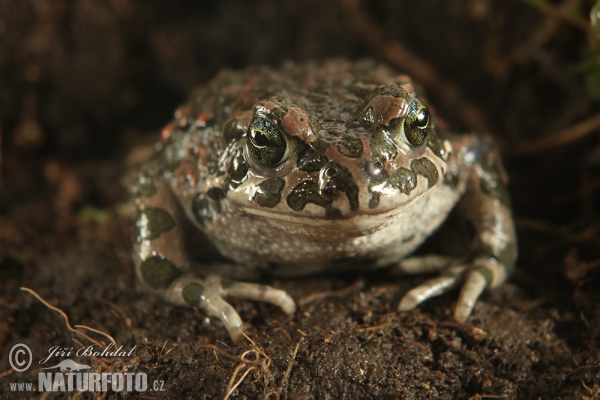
(357,223)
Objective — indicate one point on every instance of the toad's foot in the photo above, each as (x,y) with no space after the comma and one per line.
(474,276)
(207,294)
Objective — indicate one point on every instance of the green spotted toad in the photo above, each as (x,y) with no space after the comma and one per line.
(326,166)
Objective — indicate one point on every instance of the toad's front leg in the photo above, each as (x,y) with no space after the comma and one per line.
(486,205)
(163,266)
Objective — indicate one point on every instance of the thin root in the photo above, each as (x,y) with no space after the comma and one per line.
(68,324)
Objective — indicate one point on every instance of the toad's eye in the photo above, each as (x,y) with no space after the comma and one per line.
(266,142)
(416,123)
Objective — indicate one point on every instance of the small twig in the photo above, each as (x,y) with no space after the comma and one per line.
(561,138)
(303,333)
(260,364)
(594,391)
(260,352)
(371,328)
(232,386)
(217,350)
(68,324)
(168,351)
(289,368)
(6,373)
(114,342)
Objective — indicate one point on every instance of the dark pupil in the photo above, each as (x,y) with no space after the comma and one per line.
(422,118)
(259,138)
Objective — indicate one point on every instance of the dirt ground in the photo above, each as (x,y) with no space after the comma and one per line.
(81,82)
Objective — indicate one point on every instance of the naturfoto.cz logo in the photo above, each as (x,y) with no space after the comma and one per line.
(69,375)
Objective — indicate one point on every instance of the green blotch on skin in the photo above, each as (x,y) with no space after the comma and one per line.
(153,222)
(215,193)
(374,202)
(351,147)
(269,192)
(424,167)
(238,169)
(344,181)
(435,144)
(404,180)
(192,293)
(312,157)
(159,272)
(306,192)
(381,146)
(490,181)
(232,131)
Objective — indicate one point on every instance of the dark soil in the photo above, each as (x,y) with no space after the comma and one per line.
(81,82)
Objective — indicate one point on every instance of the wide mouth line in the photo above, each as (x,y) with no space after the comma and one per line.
(319,219)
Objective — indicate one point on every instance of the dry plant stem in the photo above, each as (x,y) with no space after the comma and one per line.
(217,350)
(233,385)
(594,391)
(561,138)
(258,364)
(6,373)
(289,368)
(399,56)
(68,324)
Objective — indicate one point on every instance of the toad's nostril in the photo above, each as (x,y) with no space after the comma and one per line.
(327,184)
(335,179)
